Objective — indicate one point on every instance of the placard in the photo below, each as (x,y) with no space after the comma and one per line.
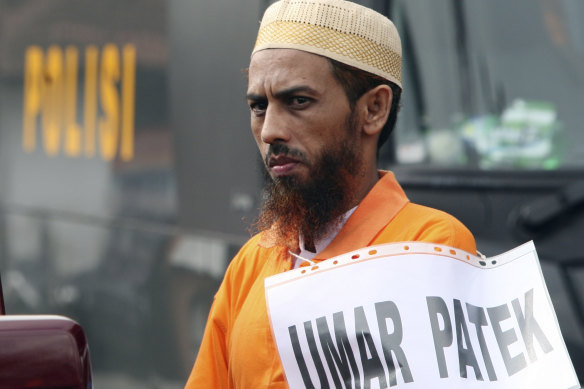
(419,315)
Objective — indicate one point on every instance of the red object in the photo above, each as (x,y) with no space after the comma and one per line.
(2,309)
(41,351)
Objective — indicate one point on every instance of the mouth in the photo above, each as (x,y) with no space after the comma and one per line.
(281,166)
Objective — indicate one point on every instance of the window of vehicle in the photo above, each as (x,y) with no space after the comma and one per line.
(491,84)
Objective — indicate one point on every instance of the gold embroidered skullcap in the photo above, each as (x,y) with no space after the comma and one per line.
(344,31)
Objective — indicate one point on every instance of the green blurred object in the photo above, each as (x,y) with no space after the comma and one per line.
(522,136)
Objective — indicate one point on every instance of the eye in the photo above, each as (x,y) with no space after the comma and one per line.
(258,107)
(299,102)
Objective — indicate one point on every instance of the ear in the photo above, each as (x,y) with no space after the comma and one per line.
(376,104)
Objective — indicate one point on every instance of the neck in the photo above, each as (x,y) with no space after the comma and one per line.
(366,181)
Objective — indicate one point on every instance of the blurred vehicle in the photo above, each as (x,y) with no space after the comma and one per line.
(42,351)
(490,131)
(129,177)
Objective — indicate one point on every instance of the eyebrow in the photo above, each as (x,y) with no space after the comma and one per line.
(283,93)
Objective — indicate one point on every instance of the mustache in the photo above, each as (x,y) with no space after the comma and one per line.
(280,149)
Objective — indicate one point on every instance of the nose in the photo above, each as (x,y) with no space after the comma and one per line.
(274,126)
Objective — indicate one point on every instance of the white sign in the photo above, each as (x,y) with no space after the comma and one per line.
(419,315)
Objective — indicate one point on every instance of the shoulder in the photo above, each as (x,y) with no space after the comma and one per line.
(420,223)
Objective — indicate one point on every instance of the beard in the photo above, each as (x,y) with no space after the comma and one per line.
(314,206)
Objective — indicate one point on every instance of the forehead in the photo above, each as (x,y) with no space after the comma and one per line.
(282,68)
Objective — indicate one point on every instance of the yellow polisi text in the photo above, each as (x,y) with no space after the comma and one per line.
(51,97)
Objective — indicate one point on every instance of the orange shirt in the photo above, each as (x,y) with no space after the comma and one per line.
(238,350)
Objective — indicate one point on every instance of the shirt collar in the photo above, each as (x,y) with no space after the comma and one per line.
(375,211)
(325,241)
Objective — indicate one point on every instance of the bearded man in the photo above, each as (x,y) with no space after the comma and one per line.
(324,84)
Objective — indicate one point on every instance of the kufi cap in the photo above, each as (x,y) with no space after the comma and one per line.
(344,31)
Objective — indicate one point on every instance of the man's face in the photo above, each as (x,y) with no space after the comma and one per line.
(298,111)
(309,140)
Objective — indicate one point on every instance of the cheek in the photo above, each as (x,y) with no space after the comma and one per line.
(324,134)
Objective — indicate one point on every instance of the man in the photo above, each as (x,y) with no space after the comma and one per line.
(323,81)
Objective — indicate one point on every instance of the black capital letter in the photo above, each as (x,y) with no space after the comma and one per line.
(372,367)
(391,342)
(529,327)
(504,339)
(476,315)
(442,338)
(338,358)
(299,357)
(324,383)
(466,356)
